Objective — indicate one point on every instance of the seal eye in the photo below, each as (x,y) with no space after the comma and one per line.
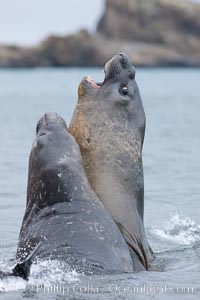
(124,90)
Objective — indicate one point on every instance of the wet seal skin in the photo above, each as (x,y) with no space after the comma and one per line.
(109,125)
(63,213)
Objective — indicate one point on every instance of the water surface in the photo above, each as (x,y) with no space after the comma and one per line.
(171,157)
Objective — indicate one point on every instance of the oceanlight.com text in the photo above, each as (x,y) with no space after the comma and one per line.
(112,288)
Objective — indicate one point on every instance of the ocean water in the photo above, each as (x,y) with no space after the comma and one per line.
(171,159)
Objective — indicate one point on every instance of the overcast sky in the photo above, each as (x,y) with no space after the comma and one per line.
(29,21)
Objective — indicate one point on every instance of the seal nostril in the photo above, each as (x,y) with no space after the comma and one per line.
(38,127)
(132,74)
(122,55)
(123,59)
(39,124)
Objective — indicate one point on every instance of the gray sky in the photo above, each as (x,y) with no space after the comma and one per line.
(29,21)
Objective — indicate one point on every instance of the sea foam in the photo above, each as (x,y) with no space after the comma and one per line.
(179,230)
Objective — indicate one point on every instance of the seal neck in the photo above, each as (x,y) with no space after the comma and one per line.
(57,187)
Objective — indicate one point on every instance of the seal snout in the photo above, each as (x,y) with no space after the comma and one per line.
(51,116)
(123,58)
(49,120)
(116,65)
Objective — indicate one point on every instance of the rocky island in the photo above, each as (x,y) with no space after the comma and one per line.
(152,32)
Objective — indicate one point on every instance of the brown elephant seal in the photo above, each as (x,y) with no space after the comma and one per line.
(109,126)
(63,213)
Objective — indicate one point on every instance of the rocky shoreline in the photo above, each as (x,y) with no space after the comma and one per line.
(154,33)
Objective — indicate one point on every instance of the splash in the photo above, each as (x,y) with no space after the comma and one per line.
(43,273)
(12,284)
(179,230)
(51,271)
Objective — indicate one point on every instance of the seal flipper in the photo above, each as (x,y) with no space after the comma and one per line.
(137,251)
(137,265)
(23,269)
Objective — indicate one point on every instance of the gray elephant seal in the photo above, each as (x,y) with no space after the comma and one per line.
(63,213)
(109,126)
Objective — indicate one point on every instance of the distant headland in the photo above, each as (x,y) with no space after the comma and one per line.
(154,33)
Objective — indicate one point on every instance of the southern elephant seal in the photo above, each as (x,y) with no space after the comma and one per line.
(63,213)
(109,126)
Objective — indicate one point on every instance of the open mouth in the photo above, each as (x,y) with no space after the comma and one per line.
(93,83)
(111,69)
